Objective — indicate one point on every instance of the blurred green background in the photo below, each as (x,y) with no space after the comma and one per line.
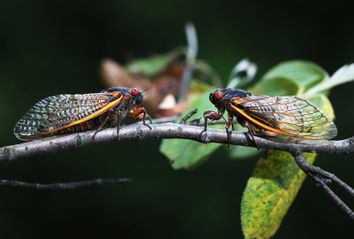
(53,47)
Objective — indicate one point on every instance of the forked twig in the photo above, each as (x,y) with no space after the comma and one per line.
(323,179)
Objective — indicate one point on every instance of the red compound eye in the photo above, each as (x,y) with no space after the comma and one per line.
(134,92)
(218,95)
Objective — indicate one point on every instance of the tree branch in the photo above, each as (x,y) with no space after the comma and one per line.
(169,130)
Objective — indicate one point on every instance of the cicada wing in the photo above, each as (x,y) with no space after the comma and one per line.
(289,115)
(61,111)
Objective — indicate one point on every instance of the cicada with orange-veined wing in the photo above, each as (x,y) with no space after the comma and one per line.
(61,114)
(271,115)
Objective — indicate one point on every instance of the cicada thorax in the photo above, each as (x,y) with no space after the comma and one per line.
(63,114)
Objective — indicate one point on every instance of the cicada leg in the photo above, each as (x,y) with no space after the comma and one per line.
(251,129)
(230,122)
(251,133)
(101,125)
(188,116)
(141,111)
(213,115)
(117,120)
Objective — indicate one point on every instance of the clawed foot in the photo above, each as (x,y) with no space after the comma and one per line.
(203,135)
(141,114)
(94,135)
(147,125)
(251,139)
(146,116)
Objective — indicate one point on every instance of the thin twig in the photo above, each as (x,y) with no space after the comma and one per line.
(323,178)
(66,185)
(334,196)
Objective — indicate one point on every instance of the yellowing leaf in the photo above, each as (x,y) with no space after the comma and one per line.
(269,193)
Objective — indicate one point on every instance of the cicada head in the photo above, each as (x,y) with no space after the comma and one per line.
(222,97)
(137,96)
(132,95)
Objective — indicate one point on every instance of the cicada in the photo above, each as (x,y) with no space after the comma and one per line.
(61,114)
(271,115)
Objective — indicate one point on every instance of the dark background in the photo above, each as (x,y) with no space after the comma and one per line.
(53,47)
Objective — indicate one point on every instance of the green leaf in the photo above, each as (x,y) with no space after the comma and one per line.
(269,193)
(150,66)
(342,75)
(186,154)
(241,152)
(276,86)
(290,78)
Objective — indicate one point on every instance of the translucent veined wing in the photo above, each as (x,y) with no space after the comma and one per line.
(287,115)
(58,112)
